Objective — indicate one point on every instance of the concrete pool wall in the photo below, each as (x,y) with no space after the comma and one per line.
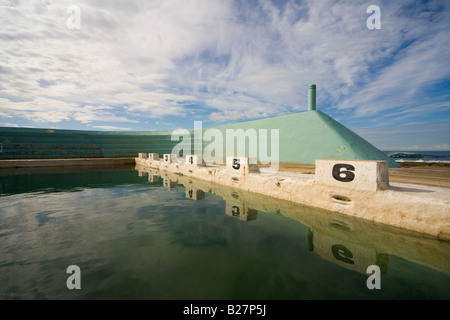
(423,209)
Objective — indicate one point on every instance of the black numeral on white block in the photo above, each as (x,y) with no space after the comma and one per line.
(236,164)
(194,160)
(343,175)
(153,156)
(371,175)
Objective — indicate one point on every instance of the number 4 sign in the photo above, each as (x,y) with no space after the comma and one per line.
(194,160)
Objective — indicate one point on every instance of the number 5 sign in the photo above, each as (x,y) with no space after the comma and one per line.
(238,165)
(370,175)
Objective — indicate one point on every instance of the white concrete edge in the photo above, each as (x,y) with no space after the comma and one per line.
(422,209)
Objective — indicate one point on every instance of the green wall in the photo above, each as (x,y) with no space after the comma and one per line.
(303,138)
(24,143)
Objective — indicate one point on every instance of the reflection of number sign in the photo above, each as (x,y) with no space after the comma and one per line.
(166,157)
(191,160)
(236,164)
(342,253)
(235,211)
(343,175)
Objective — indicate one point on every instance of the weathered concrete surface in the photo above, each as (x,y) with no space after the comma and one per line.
(432,174)
(34,163)
(419,208)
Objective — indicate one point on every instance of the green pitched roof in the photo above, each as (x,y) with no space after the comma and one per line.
(307,136)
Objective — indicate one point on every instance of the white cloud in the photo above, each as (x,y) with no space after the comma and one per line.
(442,147)
(39,109)
(6,124)
(88,114)
(220,60)
(431,136)
(111,128)
(228,115)
(50,110)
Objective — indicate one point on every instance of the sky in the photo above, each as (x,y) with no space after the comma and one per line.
(161,65)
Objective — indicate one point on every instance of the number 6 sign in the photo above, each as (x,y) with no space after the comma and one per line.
(370,175)
(343,175)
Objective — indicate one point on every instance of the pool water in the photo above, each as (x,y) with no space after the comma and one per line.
(139,234)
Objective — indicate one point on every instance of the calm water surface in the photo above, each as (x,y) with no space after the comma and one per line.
(152,235)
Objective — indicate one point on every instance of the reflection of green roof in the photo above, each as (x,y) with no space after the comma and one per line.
(307,136)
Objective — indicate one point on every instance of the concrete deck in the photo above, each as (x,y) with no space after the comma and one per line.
(431,174)
(420,208)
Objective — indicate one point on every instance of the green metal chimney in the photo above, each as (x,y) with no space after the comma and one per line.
(312,97)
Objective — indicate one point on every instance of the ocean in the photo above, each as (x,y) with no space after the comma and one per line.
(420,156)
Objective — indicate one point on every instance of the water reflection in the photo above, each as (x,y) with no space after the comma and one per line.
(156,235)
(346,241)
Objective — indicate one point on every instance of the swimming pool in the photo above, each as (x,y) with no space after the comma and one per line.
(144,234)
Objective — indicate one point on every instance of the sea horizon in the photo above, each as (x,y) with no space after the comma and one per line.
(436,156)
